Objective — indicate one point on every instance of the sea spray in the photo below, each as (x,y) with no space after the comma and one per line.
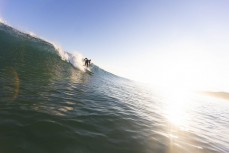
(1,20)
(76,59)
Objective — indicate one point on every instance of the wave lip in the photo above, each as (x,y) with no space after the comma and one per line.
(75,59)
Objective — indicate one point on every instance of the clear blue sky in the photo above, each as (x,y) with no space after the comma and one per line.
(157,41)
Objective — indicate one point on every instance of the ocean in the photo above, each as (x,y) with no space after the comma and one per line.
(49,104)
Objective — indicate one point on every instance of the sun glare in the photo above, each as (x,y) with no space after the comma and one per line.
(177,103)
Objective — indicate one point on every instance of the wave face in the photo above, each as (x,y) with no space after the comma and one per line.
(27,59)
(49,104)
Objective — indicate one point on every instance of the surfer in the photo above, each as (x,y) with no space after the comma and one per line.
(87,62)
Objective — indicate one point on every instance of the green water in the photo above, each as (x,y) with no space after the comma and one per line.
(47,105)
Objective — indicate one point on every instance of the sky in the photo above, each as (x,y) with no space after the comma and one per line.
(167,44)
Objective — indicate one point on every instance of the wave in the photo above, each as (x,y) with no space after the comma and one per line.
(75,59)
(16,38)
(28,65)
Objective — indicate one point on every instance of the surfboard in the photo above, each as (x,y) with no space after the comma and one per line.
(87,70)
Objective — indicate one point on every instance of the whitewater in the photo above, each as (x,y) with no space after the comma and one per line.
(49,104)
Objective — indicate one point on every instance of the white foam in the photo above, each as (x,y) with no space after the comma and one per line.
(2,20)
(32,34)
(76,59)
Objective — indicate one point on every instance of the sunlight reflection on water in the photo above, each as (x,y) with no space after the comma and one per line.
(177,105)
(190,121)
(186,121)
